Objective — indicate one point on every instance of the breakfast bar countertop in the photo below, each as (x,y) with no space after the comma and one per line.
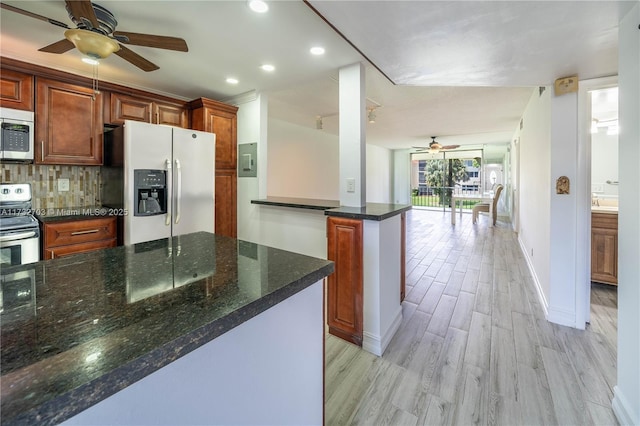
(95,323)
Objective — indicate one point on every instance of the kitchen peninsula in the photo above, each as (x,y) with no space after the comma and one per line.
(198,328)
(367,244)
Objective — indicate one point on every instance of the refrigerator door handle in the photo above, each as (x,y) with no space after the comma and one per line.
(179,190)
(167,165)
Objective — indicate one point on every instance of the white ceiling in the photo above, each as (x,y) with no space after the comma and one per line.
(464,70)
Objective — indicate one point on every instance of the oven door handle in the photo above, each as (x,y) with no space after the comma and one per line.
(14,237)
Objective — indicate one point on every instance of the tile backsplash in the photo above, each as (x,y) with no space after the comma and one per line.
(84,184)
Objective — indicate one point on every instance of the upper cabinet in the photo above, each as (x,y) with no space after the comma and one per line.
(68,124)
(16,90)
(219,118)
(124,107)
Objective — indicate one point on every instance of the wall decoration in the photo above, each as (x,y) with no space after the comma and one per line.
(562,185)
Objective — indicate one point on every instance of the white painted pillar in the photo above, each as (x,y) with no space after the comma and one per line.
(353,163)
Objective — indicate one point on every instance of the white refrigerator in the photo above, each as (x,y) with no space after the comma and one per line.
(169,181)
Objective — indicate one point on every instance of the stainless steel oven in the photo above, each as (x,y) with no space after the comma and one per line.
(19,229)
(16,136)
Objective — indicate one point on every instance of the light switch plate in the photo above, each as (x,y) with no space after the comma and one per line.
(63,185)
(351,185)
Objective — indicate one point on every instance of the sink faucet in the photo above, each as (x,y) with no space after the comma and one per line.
(594,200)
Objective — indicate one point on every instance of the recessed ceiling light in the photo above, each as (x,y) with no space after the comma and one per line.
(268,67)
(317,50)
(258,6)
(90,61)
(232,80)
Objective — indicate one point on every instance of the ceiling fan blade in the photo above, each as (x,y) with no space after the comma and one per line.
(83,9)
(450,147)
(61,46)
(135,59)
(33,15)
(149,40)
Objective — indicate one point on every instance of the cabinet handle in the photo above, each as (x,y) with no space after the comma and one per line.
(157,118)
(42,150)
(90,231)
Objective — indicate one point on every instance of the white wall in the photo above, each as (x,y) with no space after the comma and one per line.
(535,187)
(626,402)
(563,232)
(401,176)
(302,162)
(252,128)
(379,174)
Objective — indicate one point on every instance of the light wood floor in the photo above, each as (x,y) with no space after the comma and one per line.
(474,346)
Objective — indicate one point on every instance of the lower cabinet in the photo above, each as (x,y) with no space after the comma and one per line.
(63,238)
(604,248)
(345,285)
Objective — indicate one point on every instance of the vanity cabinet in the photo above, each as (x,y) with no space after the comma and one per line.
(345,286)
(68,127)
(124,107)
(63,238)
(16,90)
(604,248)
(216,117)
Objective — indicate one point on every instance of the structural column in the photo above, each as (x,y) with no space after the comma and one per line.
(352,136)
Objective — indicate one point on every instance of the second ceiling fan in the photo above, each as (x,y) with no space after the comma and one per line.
(95,35)
(434,146)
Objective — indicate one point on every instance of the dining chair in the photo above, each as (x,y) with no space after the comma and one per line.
(484,207)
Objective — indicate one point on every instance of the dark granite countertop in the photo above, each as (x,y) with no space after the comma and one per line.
(372,211)
(93,324)
(69,213)
(301,203)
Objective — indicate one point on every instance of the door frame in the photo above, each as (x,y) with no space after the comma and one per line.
(583,197)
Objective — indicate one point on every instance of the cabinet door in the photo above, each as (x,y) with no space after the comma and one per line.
(68,124)
(226,199)
(125,107)
(171,115)
(345,285)
(16,90)
(604,255)
(223,124)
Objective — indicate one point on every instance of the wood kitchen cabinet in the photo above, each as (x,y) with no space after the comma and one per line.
(16,90)
(219,118)
(69,124)
(63,238)
(604,248)
(345,285)
(124,107)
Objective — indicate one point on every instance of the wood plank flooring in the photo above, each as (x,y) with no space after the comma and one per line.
(474,347)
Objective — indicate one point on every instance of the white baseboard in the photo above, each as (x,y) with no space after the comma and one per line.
(536,281)
(622,409)
(561,316)
(376,344)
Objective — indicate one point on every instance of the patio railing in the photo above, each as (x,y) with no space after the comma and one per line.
(439,197)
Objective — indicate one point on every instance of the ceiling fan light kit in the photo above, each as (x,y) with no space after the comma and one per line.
(96,38)
(92,44)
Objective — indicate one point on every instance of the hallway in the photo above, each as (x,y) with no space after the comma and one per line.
(474,346)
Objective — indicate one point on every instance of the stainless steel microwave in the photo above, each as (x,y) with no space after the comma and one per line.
(16,137)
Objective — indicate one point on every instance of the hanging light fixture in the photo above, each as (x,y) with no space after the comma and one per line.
(372,115)
(92,44)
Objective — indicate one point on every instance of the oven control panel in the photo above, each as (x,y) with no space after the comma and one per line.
(15,192)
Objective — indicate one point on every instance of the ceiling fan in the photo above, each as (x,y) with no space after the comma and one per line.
(434,146)
(95,35)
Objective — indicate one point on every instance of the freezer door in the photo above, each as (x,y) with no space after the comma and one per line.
(193,181)
(146,146)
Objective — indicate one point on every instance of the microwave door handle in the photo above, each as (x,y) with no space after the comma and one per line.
(14,237)
(167,165)
(179,189)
